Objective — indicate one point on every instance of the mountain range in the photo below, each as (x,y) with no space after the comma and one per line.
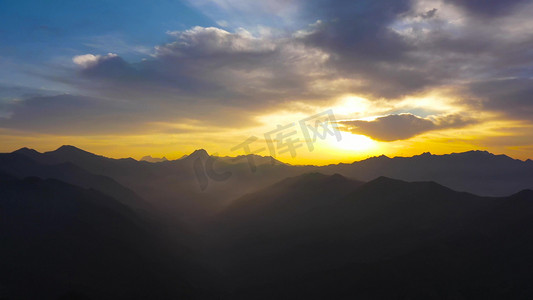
(75,225)
(477,172)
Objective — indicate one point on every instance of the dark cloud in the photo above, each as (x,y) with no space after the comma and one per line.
(402,126)
(364,46)
(513,97)
(487,8)
(9,92)
(358,27)
(110,67)
(67,114)
(429,14)
(81,115)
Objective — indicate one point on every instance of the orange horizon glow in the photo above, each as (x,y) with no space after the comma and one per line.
(491,134)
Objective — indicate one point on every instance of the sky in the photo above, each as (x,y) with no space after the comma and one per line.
(163,78)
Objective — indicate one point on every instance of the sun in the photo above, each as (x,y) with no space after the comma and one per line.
(353,142)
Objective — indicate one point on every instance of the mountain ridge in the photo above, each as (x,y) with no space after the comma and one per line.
(203,152)
(477,172)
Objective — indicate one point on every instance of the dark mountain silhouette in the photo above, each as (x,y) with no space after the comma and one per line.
(95,164)
(178,191)
(291,196)
(386,239)
(477,172)
(200,153)
(20,165)
(59,240)
(173,186)
(160,184)
(279,231)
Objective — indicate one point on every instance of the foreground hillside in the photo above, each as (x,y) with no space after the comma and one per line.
(329,237)
(59,240)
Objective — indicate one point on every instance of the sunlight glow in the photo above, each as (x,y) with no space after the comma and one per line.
(354,142)
(351,106)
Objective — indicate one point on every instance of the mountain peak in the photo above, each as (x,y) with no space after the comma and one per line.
(337,176)
(28,153)
(381,157)
(261,159)
(26,150)
(69,148)
(199,153)
(384,180)
(475,152)
(71,151)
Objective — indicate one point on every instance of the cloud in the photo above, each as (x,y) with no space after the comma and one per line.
(429,14)
(512,97)
(214,41)
(109,67)
(380,49)
(364,48)
(89,60)
(385,51)
(488,8)
(213,65)
(398,48)
(67,114)
(71,114)
(403,126)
